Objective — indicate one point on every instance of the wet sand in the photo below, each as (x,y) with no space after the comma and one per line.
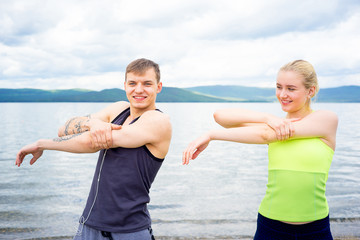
(192,238)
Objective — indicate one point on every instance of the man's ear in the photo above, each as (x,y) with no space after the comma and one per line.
(159,87)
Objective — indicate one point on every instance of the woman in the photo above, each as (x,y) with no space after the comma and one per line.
(301,147)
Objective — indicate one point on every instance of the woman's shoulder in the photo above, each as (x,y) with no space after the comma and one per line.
(324,115)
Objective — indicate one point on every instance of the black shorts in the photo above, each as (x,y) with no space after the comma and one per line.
(268,229)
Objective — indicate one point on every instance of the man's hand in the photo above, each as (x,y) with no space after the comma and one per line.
(28,149)
(101,133)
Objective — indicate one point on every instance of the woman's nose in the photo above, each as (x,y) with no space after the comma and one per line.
(283,93)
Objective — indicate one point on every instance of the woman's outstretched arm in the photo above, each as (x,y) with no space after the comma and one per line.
(256,134)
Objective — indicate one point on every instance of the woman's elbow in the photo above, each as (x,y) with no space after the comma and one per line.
(218,117)
(267,135)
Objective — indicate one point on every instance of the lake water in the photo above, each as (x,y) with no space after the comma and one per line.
(215,197)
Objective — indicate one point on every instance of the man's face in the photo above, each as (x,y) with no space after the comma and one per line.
(141,90)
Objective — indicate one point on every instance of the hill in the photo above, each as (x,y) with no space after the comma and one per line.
(339,94)
(216,93)
(241,93)
(168,94)
(237,93)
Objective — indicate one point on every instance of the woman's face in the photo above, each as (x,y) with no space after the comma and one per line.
(291,92)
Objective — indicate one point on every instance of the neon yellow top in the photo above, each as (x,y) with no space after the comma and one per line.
(298,171)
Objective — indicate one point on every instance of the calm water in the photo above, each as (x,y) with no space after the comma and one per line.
(216,196)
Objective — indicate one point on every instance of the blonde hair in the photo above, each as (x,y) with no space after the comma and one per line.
(306,70)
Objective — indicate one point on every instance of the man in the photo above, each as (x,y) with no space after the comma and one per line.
(134,138)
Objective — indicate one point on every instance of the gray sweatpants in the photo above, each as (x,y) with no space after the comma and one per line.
(88,233)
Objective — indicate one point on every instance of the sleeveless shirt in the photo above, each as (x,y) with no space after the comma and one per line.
(118,198)
(298,171)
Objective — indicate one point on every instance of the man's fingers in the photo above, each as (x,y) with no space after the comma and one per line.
(115,127)
(33,160)
(19,158)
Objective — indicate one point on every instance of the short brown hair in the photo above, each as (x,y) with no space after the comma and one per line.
(140,66)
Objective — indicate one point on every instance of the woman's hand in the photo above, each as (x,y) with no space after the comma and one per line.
(283,128)
(195,148)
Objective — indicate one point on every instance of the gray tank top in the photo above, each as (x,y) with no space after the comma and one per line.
(118,199)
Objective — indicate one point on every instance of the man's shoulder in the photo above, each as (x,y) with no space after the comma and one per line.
(120,105)
(156,115)
(114,109)
(160,122)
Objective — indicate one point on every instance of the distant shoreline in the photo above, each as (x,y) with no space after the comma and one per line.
(216,93)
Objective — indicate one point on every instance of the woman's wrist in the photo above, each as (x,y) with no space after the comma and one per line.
(210,135)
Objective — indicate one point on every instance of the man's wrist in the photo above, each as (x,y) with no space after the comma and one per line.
(40,144)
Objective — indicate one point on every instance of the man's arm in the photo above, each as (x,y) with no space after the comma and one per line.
(74,125)
(82,124)
(97,123)
(76,143)
(152,128)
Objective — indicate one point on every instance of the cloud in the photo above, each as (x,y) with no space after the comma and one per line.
(87,44)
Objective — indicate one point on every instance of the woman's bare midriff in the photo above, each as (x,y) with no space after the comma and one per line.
(296,223)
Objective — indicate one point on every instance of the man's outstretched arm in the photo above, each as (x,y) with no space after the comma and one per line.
(152,128)
(76,143)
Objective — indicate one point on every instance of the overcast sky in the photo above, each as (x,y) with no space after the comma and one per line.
(88,44)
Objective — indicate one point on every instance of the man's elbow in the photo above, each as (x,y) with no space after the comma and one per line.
(89,145)
(61,131)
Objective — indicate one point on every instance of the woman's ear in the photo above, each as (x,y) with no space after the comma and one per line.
(311,91)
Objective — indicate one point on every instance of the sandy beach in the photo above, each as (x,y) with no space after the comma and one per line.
(192,238)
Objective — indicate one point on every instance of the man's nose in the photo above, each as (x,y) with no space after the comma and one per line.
(138,87)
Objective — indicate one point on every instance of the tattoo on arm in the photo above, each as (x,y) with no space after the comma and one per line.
(65,138)
(67,125)
(77,127)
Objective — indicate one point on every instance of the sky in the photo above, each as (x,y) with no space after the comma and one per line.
(88,44)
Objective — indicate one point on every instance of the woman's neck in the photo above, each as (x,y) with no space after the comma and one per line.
(300,113)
